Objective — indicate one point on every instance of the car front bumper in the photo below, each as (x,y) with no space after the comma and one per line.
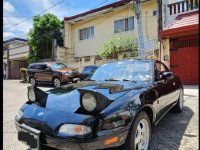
(65,78)
(73,144)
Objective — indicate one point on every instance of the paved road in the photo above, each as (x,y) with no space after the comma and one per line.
(174,132)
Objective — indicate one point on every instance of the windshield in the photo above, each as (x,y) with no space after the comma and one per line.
(88,70)
(58,66)
(129,70)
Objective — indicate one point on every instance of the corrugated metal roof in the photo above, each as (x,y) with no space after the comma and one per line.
(182,20)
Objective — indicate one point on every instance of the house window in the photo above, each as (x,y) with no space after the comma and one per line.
(125,24)
(86,33)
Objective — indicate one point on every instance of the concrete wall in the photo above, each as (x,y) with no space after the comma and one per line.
(80,64)
(19,52)
(104,29)
(165,52)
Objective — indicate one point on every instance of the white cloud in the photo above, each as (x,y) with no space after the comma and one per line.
(36,6)
(9,24)
(7,34)
(8,7)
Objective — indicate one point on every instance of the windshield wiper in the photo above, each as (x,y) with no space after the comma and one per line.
(111,79)
(119,80)
(89,79)
(128,80)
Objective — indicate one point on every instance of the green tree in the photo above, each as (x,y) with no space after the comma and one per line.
(45,29)
(118,44)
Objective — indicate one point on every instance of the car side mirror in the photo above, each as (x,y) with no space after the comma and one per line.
(167,75)
(48,69)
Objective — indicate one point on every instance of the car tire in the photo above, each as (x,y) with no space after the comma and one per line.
(179,105)
(33,81)
(56,82)
(74,81)
(140,133)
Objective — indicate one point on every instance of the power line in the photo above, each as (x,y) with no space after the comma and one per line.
(99,4)
(36,15)
(47,33)
(61,16)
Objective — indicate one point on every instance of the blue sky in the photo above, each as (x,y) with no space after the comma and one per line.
(16,11)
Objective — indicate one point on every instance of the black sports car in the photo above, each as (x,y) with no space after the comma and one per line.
(117,107)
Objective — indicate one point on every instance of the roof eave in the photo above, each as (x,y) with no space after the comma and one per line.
(184,29)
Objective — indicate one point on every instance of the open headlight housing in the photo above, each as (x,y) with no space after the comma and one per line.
(89,102)
(74,129)
(31,94)
(35,95)
(93,102)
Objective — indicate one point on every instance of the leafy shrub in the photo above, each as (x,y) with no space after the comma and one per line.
(23,70)
(117,45)
(23,74)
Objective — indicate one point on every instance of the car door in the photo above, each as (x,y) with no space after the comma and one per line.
(167,88)
(37,71)
(46,73)
(162,91)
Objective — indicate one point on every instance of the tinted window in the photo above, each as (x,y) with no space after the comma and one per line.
(159,69)
(57,66)
(39,67)
(32,67)
(88,70)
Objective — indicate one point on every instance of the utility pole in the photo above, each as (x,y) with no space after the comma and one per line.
(141,49)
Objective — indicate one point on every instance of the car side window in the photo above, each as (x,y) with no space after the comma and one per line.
(159,69)
(39,67)
(44,67)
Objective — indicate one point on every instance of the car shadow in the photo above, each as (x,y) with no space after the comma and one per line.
(168,133)
(170,130)
(48,85)
(45,85)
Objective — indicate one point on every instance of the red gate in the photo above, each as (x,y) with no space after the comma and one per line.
(184,59)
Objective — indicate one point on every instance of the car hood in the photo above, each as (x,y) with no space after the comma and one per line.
(67,98)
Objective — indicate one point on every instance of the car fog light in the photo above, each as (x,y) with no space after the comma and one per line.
(72,129)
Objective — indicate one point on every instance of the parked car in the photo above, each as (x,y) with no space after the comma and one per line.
(117,107)
(51,73)
(87,72)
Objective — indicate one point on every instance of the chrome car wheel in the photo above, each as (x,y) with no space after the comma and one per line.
(142,135)
(56,82)
(179,105)
(181,99)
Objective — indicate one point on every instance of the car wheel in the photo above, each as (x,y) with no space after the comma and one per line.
(56,82)
(139,136)
(179,105)
(33,81)
(75,81)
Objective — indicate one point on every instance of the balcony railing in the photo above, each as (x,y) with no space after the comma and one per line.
(183,6)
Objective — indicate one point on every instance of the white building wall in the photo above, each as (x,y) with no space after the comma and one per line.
(19,52)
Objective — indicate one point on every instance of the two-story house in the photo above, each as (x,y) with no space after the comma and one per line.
(180,38)
(85,33)
(16,52)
